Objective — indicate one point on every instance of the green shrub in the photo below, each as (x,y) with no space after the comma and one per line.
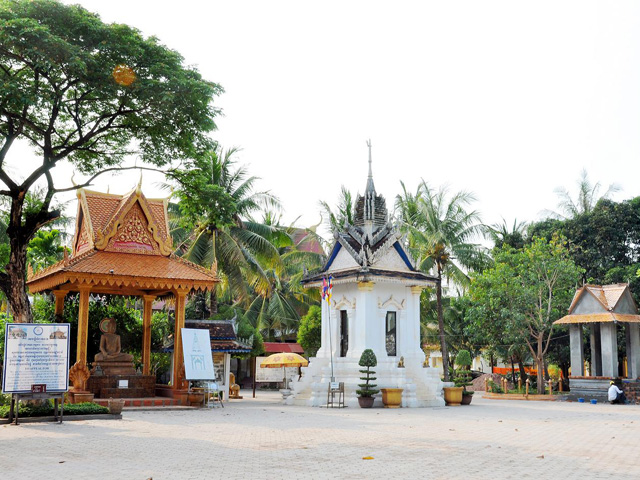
(367,359)
(494,387)
(46,409)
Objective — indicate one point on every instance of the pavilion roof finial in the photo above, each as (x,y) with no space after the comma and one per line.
(370,187)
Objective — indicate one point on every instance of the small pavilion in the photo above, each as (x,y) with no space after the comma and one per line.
(602,308)
(122,246)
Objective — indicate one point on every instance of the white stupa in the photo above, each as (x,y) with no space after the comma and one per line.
(375,304)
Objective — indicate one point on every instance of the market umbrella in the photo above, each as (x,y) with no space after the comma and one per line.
(283,360)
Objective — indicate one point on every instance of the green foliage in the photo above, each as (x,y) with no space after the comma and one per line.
(463,359)
(367,359)
(310,331)
(494,387)
(46,409)
(518,299)
(441,232)
(45,249)
(64,95)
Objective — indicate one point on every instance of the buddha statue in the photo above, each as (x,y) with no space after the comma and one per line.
(111,359)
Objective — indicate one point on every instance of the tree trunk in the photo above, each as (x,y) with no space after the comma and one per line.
(540,366)
(523,373)
(213,302)
(513,372)
(14,284)
(443,342)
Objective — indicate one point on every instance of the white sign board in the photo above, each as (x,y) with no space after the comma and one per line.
(196,347)
(36,353)
(273,374)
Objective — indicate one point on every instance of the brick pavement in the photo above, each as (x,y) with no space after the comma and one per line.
(262,439)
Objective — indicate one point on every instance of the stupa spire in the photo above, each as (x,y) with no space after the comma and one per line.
(370,187)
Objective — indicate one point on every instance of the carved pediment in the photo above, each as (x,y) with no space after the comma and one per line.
(344,303)
(391,302)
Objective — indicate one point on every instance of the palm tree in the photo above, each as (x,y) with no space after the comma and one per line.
(344,211)
(276,310)
(502,234)
(215,229)
(586,200)
(440,232)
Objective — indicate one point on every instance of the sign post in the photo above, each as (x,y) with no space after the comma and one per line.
(36,363)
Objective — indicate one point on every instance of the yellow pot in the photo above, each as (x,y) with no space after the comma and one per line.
(453,396)
(392,397)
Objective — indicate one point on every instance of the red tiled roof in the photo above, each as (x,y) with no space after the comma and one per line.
(115,268)
(278,347)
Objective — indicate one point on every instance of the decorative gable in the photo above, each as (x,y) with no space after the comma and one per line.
(392,261)
(133,235)
(342,261)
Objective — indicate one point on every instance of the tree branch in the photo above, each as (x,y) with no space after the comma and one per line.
(114,169)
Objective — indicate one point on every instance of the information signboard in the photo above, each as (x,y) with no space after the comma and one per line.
(36,354)
(196,347)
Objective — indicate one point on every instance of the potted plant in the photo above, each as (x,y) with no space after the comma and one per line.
(367,390)
(463,375)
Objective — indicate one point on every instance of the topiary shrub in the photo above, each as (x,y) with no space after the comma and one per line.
(367,359)
(462,377)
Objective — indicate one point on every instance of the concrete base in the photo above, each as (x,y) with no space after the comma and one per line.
(589,388)
(422,387)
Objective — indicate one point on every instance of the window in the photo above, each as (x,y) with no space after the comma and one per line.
(344,333)
(390,334)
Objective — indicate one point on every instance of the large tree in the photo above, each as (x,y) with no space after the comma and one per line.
(217,199)
(81,91)
(441,233)
(526,291)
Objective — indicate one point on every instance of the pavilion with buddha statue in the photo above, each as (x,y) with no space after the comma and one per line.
(122,246)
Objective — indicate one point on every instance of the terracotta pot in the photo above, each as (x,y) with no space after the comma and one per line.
(466,399)
(453,396)
(391,397)
(195,399)
(365,402)
(115,405)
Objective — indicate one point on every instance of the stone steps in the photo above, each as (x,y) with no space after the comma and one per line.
(144,402)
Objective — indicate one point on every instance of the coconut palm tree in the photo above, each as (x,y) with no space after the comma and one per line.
(343,213)
(586,200)
(215,230)
(276,310)
(440,233)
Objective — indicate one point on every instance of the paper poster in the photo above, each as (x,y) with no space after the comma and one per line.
(196,347)
(36,354)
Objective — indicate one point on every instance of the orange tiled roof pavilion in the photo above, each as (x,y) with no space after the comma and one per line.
(122,246)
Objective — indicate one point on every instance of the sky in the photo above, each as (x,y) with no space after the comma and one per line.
(508,100)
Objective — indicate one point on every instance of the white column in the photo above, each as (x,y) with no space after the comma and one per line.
(609,345)
(596,356)
(577,354)
(323,351)
(633,355)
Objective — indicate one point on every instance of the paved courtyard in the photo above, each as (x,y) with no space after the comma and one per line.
(262,439)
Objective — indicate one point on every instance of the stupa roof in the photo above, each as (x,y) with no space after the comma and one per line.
(371,247)
(122,242)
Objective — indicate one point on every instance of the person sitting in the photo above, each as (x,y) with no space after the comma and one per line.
(616,395)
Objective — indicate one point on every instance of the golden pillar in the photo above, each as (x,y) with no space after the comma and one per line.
(83,325)
(179,382)
(59,294)
(146,333)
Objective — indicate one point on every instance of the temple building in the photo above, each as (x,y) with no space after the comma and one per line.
(122,246)
(375,305)
(603,309)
